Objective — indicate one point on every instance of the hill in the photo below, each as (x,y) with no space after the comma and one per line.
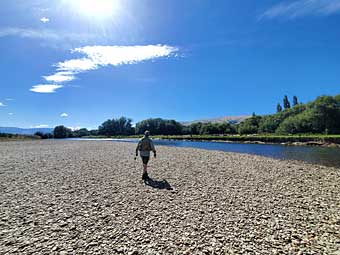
(24,131)
(229,119)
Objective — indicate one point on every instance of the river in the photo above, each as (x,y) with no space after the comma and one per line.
(315,155)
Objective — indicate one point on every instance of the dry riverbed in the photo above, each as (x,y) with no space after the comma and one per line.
(87,197)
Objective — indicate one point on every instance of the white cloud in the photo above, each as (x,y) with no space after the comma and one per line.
(44,20)
(301,8)
(60,77)
(9,99)
(119,55)
(41,126)
(77,65)
(45,88)
(10,113)
(64,115)
(74,128)
(99,56)
(1,104)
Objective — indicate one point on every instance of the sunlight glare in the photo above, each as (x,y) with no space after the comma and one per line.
(95,9)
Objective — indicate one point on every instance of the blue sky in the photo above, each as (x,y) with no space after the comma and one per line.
(80,62)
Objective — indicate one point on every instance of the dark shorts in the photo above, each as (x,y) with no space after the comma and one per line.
(145,160)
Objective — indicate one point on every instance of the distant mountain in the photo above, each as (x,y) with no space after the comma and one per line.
(229,119)
(24,131)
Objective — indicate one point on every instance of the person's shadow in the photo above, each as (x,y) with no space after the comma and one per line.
(157,184)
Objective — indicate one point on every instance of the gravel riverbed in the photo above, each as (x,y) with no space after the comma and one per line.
(87,197)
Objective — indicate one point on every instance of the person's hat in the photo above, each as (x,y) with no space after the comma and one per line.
(147,133)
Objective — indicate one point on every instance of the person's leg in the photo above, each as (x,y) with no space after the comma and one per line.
(145,167)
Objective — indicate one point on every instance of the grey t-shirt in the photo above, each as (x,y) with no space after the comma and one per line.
(145,153)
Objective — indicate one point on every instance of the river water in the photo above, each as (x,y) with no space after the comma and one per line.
(315,155)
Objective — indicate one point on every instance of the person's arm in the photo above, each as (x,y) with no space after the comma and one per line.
(153,148)
(137,148)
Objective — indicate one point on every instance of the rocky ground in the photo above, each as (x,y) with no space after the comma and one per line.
(87,197)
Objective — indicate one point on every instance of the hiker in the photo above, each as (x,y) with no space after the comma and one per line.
(145,145)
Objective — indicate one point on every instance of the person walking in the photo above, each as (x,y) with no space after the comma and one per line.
(144,146)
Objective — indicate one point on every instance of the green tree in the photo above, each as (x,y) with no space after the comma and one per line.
(269,124)
(81,132)
(159,126)
(337,99)
(250,125)
(301,123)
(227,128)
(295,100)
(114,127)
(40,134)
(210,129)
(326,111)
(286,103)
(319,116)
(94,132)
(195,128)
(61,132)
(278,107)
(43,135)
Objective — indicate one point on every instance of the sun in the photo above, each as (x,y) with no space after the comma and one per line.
(95,9)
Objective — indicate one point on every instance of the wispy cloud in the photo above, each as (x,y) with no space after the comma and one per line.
(45,88)
(64,115)
(44,20)
(95,57)
(2,105)
(300,8)
(9,99)
(45,34)
(60,77)
(29,33)
(41,126)
(10,113)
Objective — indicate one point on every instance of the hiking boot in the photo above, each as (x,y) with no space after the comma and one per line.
(145,176)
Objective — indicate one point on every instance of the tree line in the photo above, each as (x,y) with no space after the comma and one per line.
(319,116)
(18,136)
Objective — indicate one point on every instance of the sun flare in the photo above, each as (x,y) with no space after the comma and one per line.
(95,9)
